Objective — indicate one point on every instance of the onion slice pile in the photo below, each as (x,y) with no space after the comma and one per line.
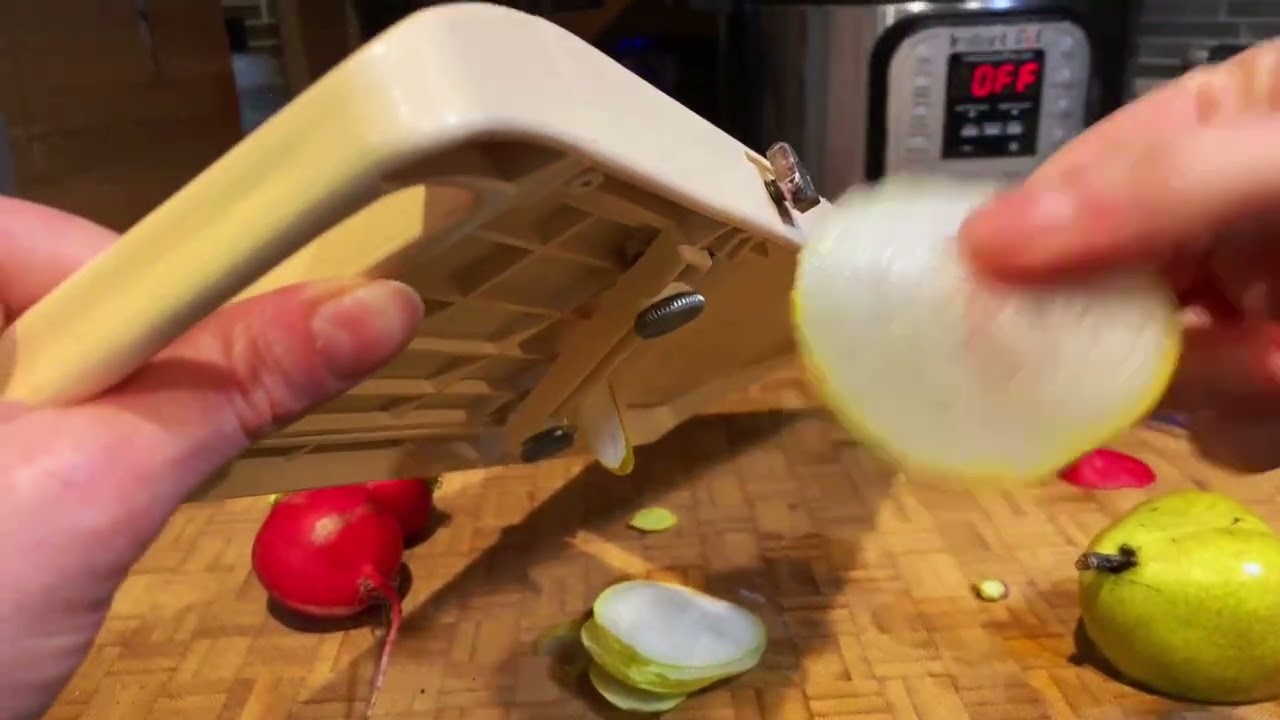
(652,643)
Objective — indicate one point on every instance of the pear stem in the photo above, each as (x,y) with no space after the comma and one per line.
(1115,563)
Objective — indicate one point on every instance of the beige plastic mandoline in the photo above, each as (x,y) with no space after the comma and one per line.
(598,262)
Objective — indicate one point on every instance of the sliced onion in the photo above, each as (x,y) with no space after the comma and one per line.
(670,639)
(625,697)
(954,373)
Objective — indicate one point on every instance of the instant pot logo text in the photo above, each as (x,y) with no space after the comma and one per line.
(990,39)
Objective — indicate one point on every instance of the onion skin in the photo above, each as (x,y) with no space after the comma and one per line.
(331,553)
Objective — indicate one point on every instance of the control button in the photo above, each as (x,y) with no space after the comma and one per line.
(920,110)
(921,88)
(1058,135)
(1063,75)
(918,144)
(969,130)
(1015,146)
(993,129)
(1013,127)
(1061,106)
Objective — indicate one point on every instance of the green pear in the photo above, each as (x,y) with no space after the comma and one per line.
(1182,596)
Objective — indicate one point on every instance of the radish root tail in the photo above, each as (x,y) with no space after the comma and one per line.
(386,590)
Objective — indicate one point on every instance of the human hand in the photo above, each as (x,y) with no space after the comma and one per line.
(1186,178)
(88,487)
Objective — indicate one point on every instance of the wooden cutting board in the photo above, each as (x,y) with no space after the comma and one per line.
(863,579)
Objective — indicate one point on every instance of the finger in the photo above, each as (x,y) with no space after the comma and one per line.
(40,247)
(1243,445)
(1245,264)
(1200,292)
(1168,201)
(1234,367)
(251,367)
(88,488)
(1247,84)
(1166,112)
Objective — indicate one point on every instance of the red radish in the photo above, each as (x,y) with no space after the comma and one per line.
(408,499)
(1105,469)
(331,553)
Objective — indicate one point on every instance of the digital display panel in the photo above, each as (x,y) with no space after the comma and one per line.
(993,103)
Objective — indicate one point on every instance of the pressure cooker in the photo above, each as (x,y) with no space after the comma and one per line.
(973,88)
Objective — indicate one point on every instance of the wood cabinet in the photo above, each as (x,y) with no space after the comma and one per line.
(112,105)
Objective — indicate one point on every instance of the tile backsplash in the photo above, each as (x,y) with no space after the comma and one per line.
(1169,29)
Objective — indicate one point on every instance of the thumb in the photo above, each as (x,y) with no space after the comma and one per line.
(105,475)
(1163,200)
(253,366)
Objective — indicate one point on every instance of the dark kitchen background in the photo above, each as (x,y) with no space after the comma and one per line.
(108,107)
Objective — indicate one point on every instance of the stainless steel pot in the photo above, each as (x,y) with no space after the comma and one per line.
(866,89)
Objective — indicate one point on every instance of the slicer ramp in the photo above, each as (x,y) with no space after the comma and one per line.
(539,196)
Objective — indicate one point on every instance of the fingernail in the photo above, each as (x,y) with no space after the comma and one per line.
(364,325)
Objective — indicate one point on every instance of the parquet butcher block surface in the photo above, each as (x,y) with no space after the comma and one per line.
(862,577)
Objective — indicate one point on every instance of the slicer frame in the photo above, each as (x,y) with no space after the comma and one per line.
(538,195)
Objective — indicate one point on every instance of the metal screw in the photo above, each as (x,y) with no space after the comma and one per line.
(775,192)
(546,444)
(792,177)
(586,181)
(669,314)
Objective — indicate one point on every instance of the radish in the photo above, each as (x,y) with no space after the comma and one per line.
(1104,469)
(409,500)
(331,553)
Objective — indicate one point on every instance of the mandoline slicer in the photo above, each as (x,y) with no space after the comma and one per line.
(598,262)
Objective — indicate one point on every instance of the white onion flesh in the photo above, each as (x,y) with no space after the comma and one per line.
(956,372)
(671,639)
